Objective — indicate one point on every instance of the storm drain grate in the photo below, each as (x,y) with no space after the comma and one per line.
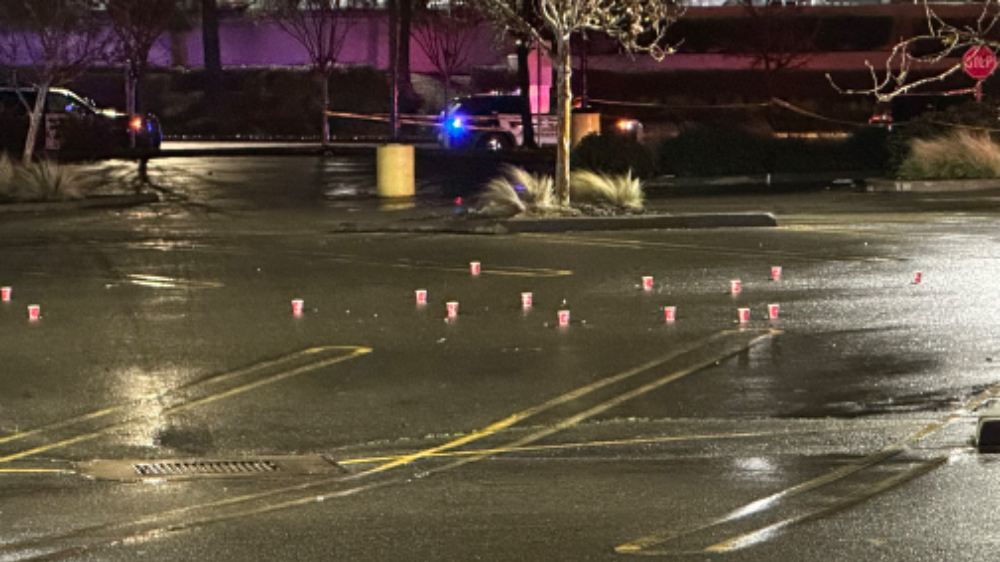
(204,467)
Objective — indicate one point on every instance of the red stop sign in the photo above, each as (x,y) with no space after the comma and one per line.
(979,62)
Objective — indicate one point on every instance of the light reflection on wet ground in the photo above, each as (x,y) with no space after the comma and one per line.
(200,284)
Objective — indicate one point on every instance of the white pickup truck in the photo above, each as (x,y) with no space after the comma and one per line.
(493,122)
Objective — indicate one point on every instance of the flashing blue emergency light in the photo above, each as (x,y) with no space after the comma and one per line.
(455,126)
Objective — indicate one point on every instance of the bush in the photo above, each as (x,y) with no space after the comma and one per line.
(714,151)
(957,155)
(868,148)
(613,154)
(937,124)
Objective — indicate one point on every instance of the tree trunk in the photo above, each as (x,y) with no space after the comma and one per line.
(564,102)
(130,86)
(393,8)
(34,124)
(524,83)
(210,44)
(325,129)
(406,90)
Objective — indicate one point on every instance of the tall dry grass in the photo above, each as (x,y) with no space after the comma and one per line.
(620,191)
(41,181)
(6,176)
(516,191)
(960,155)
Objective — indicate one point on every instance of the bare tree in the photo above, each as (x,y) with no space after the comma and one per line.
(446,37)
(57,40)
(775,39)
(137,25)
(638,25)
(921,60)
(321,27)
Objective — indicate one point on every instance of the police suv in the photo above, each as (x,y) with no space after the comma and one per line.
(493,122)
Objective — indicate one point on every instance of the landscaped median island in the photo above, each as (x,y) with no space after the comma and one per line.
(46,185)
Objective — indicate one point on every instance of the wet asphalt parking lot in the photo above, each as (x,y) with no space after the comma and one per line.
(372,428)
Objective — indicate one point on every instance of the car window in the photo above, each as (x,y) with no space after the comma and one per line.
(488,105)
(61,103)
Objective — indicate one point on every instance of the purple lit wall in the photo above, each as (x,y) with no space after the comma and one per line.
(249,42)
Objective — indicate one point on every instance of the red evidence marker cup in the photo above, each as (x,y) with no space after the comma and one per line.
(34,312)
(5,294)
(647,283)
(772,311)
(775,273)
(526,300)
(744,315)
(564,318)
(452,309)
(735,286)
(475,267)
(421,296)
(297,306)
(917,278)
(670,313)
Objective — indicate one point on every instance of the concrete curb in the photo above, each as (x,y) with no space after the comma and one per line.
(642,222)
(891,185)
(568,224)
(100,202)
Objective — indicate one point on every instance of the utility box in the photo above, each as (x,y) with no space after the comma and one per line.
(395,171)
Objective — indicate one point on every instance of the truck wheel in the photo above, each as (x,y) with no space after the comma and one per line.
(495,142)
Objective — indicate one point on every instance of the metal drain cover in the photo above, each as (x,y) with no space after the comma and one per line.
(202,468)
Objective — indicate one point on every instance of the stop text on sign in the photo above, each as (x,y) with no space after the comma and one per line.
(979,62)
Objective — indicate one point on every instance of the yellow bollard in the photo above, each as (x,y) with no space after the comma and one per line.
(395,170)
(583,124)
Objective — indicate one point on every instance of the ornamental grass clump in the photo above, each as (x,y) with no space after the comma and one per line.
(6,177)
(40,181)
(960,155)
(48,181)
(516,191)
(597,189)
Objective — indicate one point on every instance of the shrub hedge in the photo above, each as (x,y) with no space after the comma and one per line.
(613,155)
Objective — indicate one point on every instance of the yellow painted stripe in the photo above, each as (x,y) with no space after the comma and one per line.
(56,445)
(620,443)
(357,352)
(535,410)
(755,537)
(641,544)
(35,471)
(616,401)
(162,394)
(189,511)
